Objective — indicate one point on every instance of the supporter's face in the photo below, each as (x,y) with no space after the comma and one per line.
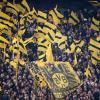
(7,76)
(95,34)
(2,75)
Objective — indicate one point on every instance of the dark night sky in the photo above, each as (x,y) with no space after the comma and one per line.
(49,4)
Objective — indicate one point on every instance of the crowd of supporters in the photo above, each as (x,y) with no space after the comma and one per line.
(25,87)
(15,87)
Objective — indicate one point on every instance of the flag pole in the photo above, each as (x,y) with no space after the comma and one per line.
(18,53)
(4,51)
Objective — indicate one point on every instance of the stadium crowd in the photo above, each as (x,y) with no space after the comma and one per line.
(25,87)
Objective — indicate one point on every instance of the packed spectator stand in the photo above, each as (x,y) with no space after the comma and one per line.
(24,86)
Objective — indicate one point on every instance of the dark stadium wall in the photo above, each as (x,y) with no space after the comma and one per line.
(49,4)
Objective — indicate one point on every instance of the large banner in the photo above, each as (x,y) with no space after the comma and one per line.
(60,77)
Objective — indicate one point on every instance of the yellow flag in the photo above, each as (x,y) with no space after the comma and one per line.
(22,49)
(4,16)
(25,4)
(0,7)
(22,21)
(43,41)
(77,49)
(41,30)
(73,19)
(95,49)
(56,20)
(49,54)
(94,45)
(88,72)
(72,48)
(4,40)
(73,14)
(5,22)
(12,9)
(29,40)
(62,44)
(95,24)
(60,40)
(41,56)
(95,58)
(42,81)
(31,13)
(94,27)
(95,21)
(68,51)
(13,64)
(2,45)
(21,9)
(2,26)
(58,13)
(42,17)
(21,32)
(14,40)
(98,38)
(70,20)
(79,43)
(75,59)
(22,62)
(50,34)
(41,47)
(95,3)
(18,46)
(50,25)
(60,77)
